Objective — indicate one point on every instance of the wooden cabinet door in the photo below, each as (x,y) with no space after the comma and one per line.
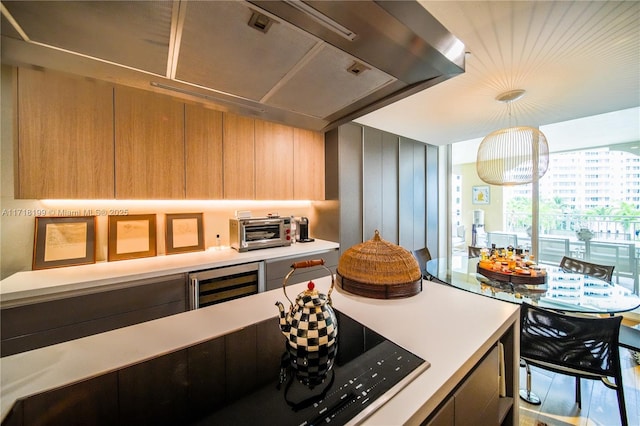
(308,165)
(203,153)
(238,157)
(65,137)
(274,159)
(149,145)
(90,402)
(154,392)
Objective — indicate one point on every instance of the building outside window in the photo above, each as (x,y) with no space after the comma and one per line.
(589,198)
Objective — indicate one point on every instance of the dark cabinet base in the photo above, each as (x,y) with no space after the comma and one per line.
(180,387)
(41,324)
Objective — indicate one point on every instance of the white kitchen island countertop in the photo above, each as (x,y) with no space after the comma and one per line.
(34,286)
(449,328)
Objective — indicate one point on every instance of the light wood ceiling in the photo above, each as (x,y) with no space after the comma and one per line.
(574,59)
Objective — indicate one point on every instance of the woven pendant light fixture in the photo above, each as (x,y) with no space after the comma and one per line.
(512,156)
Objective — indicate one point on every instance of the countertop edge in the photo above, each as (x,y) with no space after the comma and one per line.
(36,371)
(36,286)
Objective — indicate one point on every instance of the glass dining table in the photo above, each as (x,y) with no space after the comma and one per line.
(562,291)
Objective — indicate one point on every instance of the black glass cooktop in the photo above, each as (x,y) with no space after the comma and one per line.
(366,370)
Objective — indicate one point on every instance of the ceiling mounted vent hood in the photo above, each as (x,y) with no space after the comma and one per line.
(312,64)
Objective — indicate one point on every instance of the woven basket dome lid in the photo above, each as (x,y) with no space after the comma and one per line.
(379,263)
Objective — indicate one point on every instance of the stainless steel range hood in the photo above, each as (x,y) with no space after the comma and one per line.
(313,64)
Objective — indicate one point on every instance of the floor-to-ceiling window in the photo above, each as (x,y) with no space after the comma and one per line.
(588,204)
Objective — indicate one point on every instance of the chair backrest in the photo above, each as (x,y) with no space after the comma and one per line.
(474,251)
(422,256)
(582,343)
(604,272)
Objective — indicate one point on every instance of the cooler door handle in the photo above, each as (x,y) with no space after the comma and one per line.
(194,287)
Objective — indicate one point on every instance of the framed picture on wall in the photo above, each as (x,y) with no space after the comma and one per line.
(132,236)
(480,194)
(184,233)
(64,241)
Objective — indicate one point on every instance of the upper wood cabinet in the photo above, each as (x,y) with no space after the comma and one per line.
(65,136)
(308,165)
(203,153)
(80,138)
(149,145)
(238,157)
(274,161)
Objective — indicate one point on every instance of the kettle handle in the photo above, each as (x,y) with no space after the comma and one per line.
(307,264)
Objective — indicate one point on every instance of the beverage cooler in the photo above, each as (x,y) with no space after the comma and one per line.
(222,284)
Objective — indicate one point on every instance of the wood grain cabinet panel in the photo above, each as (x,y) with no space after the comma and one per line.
(203,153)
(207,377)
(270,347)
(65,136)
(238,157)
(89,402)
(274,161)
(155,392)
(308,165)
(241,362)
(149,145)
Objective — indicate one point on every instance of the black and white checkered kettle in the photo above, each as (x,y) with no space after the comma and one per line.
(311,323)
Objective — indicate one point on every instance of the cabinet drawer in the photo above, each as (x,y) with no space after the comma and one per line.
(41,324)
(276,270)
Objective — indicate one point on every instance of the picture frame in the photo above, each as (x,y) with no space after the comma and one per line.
(184,232)
(480,194)
(131,237)
(64,241)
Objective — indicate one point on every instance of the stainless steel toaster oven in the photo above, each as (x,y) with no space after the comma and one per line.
(259,232)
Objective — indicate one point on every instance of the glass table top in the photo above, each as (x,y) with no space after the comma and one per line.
(564,291)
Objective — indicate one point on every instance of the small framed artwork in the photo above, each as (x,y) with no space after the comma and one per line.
(184,233)
(132,236)
(480,194)
(64,241)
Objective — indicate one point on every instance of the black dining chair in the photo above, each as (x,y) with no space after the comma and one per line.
(603,272)
(578,346)
(423,256)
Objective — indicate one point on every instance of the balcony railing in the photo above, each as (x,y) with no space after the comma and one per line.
(615,228)
(614,240)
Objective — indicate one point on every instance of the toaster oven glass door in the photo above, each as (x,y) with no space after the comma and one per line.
(262,231)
